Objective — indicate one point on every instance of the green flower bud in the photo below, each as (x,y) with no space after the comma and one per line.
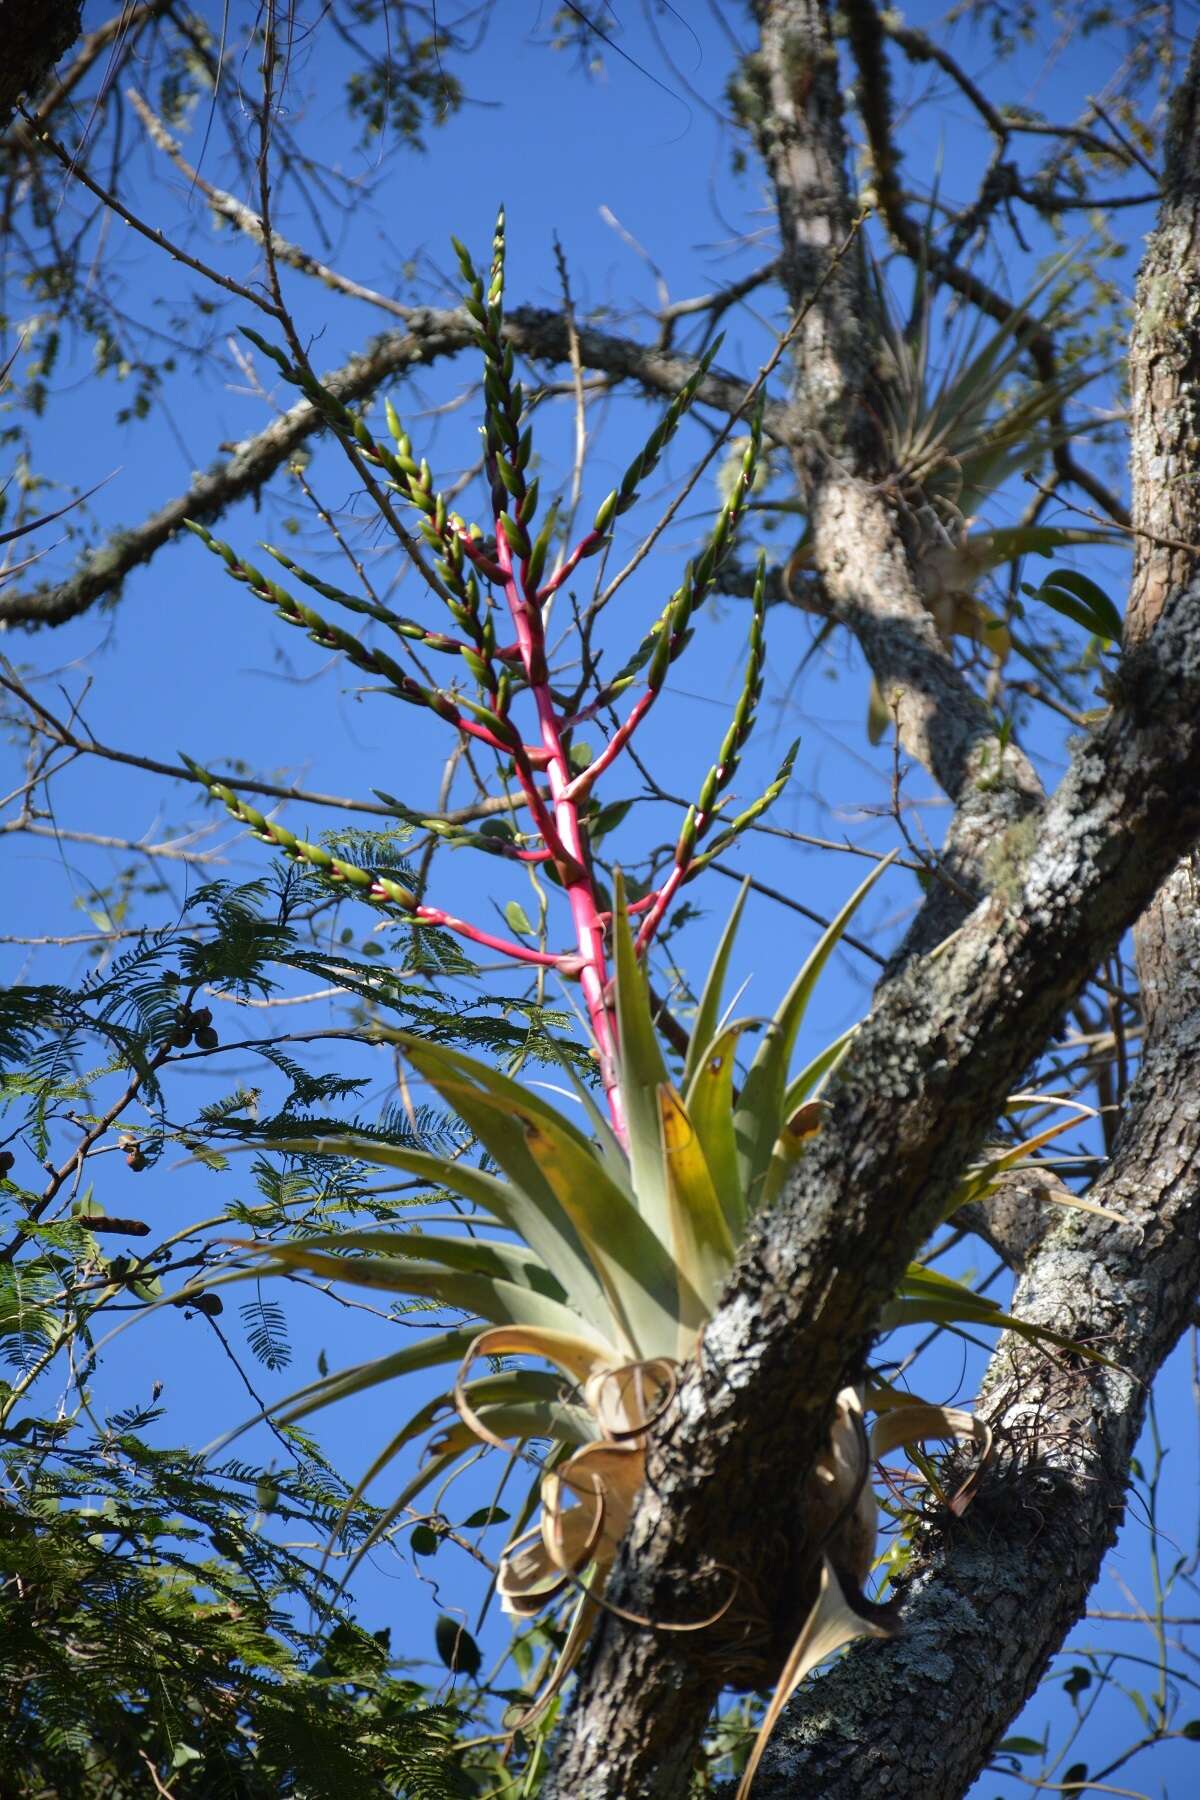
(527,505)
(540,551)
(708,792)
(518,541)
(349,873)
(478,666)
(510,476)
(396,892)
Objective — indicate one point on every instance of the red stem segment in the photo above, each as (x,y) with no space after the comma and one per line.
(545,959)
(565,839)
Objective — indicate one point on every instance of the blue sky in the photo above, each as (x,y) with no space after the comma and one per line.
(632,156)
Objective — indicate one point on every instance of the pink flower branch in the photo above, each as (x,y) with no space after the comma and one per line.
(483,734)
(587,546)
(581,786)
(479,559)
(544,959)
(575,869)
(557,851)
(661,901)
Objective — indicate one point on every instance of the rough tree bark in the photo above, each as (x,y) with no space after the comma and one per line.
(946,1039)
(991,1597)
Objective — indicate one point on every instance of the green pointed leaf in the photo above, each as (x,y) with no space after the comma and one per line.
(529,1205)
(709,1102)
(485,1515)
(518,919)
(1021,1746)
(643,1072)
(983,551)
(817,1074)
(708,1014)
(436,1060)
(472,1255)
(879,716)
(425,1353)
(635,1269)
(980,1182)
(701,1239)
(455,1645)
(538,1148)
(759,1114)
(929,1298)
(1079,598)
(533,1214)
(608,1145)
(487,1297)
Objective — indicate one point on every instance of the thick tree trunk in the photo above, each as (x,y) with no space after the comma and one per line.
(991,1596)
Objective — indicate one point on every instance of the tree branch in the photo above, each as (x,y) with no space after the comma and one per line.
(431,334)
(992,1596)
(870,574)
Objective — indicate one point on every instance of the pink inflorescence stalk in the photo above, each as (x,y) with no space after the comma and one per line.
(565,842)
(556,796)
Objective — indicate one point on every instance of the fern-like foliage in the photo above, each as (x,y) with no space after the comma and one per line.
(149,1634)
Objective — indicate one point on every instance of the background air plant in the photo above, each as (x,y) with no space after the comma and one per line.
(956,430)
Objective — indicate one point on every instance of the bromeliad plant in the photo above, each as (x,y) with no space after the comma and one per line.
(615,1255)
(952,437)
(612,1242)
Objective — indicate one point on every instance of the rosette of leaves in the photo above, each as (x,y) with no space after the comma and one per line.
(953,434)
(610,1258)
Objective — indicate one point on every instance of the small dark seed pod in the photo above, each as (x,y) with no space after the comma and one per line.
(207,1038)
